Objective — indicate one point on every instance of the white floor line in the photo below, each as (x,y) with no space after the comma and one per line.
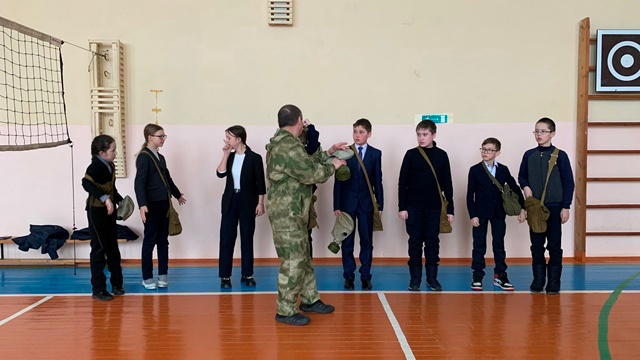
(24,310)
(396,327)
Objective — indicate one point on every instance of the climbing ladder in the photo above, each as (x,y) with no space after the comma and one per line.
(583,125)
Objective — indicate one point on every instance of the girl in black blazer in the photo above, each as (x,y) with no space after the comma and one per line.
(153,199)
(242,201)
(100,182)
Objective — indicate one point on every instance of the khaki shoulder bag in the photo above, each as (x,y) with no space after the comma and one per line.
(377,221)
(537,213)
(509,197)
(175,228)
(445,225)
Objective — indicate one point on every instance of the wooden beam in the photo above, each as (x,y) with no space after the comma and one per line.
(580,225)
(613,206)
(614,179)
(613,123)
(614,152)
(36,262)
(616,96)
(613,233)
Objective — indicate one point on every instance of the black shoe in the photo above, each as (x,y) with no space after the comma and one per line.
(118,290)
(317,307)
(434,285)
(414,285)
(366,285)
(102,295)
(248,281)
(476,284)
(295,319)
(502,281)
(225,283)
(348,284)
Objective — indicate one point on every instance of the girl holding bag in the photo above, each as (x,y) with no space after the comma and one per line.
(153,187)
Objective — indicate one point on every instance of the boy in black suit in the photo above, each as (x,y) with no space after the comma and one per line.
(353,197)
(484,202)
(420,203)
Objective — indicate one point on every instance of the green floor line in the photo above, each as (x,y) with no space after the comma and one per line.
(603,318)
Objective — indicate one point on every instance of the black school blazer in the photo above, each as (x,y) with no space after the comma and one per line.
(483,197)
(148,184)
(252,181)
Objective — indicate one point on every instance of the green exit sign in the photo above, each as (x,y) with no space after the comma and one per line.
(436,118)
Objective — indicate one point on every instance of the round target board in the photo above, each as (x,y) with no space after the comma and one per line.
(618,60)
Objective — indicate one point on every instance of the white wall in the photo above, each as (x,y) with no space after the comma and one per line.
(497,66)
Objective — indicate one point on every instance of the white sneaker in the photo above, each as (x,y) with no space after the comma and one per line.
(163,282)
(149,284)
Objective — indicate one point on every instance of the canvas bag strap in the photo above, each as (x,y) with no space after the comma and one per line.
(366,176)
(159,172)
(491,176)
(552,163)
(434,172)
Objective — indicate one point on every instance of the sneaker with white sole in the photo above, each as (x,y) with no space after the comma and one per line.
(502,281)
(163,281)
(149,284)
(476,284)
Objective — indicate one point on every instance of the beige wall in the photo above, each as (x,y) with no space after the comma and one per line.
(497,66)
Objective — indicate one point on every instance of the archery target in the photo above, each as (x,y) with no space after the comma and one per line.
(618,60)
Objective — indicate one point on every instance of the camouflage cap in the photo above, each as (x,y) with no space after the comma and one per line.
(342,228)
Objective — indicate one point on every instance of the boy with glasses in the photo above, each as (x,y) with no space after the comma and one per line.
(484,202)
(558,196)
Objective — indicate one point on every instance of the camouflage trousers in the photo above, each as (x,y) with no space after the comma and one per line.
(296,276)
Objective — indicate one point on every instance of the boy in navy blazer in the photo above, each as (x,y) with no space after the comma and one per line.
(352,196)
(484,202)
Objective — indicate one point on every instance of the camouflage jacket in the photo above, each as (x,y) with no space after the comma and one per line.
(291,173)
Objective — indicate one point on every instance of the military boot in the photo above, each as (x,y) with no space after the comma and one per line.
(539,275)
(553,283)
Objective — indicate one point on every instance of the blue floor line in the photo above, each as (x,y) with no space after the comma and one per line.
(23,280)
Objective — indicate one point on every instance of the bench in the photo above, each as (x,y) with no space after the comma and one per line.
(42,262)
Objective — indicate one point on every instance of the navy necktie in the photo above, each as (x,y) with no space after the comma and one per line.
(360,155)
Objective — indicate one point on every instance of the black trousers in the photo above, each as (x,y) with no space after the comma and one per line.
(423,227)
(498,229)
(104,249)
(228,234)
(364,224)
(156,234)
(553,238)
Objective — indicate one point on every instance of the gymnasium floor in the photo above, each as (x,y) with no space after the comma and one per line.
(48,313)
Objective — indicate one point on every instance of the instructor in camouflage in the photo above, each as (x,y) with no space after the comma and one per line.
(291,173)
